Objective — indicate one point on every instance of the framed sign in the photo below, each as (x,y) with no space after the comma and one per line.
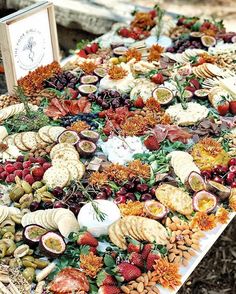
(28,40)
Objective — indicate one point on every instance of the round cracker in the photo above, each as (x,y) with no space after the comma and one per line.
(61,212)
(67,154)
(29,140)
(54,132)
(59,147)
(43,134)
(56,177)
(74,172)
(67,225)
(112,231)
(18,142)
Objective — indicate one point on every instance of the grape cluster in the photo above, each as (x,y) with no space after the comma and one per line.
(110,99)
(86,117)
(62,80)
(180,46)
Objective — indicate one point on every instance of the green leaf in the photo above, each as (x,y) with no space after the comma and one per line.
(109,261)
(93,289)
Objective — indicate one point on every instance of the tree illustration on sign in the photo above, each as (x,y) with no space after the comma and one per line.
(29,46)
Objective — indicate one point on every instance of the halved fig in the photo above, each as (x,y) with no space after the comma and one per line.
(32,234)
(208,41)
(70,137)
(89,135)
(89,79)
(196,182)
(204,201)
(201,93)
(187,95)
(163,95)
(87,89)
(222,191)
(100,72)
(86,148)
(118,51)
(155,209)
(52,245)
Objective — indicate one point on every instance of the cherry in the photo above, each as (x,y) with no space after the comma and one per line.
(18,165)
(218,179)
(107,190)
(47,204)
(232,161)
(122,191)
(75,208)
(40,160)
(152,191)
(18,173)
(120,199)
(20,158)
(232,168)
(146,197)
(129,186)
(206,174)
(130,196)
(34,206)
(26,164)
(59,204)
(142,188)
(230,178)
(101,195)
(58,192)
(220,169)
(29,178)
(233,185)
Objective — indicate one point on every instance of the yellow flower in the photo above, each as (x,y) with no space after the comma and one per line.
(203,221)
(222,215)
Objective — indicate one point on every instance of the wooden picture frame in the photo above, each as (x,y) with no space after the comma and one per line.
(28,40)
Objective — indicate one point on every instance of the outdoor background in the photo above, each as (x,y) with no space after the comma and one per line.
(216,274)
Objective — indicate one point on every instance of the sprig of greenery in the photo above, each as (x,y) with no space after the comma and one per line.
(160,15)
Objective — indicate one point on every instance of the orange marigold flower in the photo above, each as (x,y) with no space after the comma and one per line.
(155,53)
(117,173)
(132,208)
(232,199)
(153,104)
(210,32)
(165,119)
(133,53)
(166,274)
(34,81)
(137,168)
(116,72)
(98,179)
(134,126)
(222,215)
(143,20)
(204,221)
(91,264)
(88,66)
(79,126)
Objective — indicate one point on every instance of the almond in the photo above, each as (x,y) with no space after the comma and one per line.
(134,292)
(195,241)
(180,243)
(125,289)
(191,252)
(182,247)
(169,246)
(177,259)
(140,287)
(140,279)
(185,262)
(168,221)
(186,255)
(171,257)
(195,246)
(145,279)
(173,227)
(175,219)
(186,232)
(179,226)
(156,290)
(149,275)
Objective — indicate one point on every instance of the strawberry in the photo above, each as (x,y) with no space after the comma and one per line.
(85,238)
(223,107)
(127,272)
(124,32)
(133,245)
(232,107)
(152,256)
(151,143)
(106,289)
(37,172)
(103,278)
(88,49)
(93,249)
(146,250)
(82,53)
(157,79)
(139,102)
(136,259)
(153,13)
(94,47)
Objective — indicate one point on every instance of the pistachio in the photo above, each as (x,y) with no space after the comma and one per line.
(21,251)
(3,250)
(8,229)
(8,235)
(41,263)
(28,263)
(16,193)
(16,218)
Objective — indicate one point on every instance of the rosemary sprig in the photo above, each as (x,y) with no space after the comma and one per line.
(181,91)
(160,15)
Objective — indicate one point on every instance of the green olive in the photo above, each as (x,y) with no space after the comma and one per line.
(37,197)
(3,250)
(47,195)
(15,262)
(42,189)
(41,263)
(11,246)
(37,185)
(31,251)
(29,274)
(28,263)
(26,187)
(8,229)
(28,258)
(18,236)
(16,193)
(8,235)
